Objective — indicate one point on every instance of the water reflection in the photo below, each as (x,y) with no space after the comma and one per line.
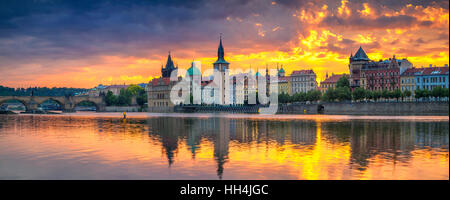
(221,147)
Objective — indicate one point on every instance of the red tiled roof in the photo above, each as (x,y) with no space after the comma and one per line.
(381,70)
(411,71)
(155,81)
(117,86)
(283,79)
(308,71)
(438,70)
(333,78)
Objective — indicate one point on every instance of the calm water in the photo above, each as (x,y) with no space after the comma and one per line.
(208,146)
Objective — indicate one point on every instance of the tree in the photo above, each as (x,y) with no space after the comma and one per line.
(385,94)
(330,95)
(124,98)
(283,98)
(397,94)
(358,94)
(406,93)
(445,93)
(376,95)
(343,82)
(313,95)
(369,95)
(134,89)
(437,92)
(110,99)
(344,94)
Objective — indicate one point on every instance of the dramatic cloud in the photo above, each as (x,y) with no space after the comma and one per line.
(83,43)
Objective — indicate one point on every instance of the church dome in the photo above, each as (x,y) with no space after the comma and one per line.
(193,71)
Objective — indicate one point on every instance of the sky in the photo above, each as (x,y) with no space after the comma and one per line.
(83,43)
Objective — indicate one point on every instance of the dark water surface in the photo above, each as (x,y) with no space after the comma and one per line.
(225,146)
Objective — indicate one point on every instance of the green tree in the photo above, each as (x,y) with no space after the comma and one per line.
(124,98)
(343,93)
(396,94)
(110,99)
(369,95)
(445,93)
(343,82)
(376,95)
(330,95)
(358,94)
(437,92)
(134,89)
(385,94)
(313,95)
(407,93)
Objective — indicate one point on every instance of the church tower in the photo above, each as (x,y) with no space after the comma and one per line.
(222,66)
(357,62)
(167,70)
(220,63)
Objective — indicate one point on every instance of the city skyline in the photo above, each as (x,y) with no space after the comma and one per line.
(82,45)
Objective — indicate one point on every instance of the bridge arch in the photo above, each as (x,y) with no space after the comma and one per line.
(61,102)
(86,103)
(7,100)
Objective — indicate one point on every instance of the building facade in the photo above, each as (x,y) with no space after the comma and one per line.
(158,89)
(330,82)
(302,81)
(429,78)
(407,81)
(376,75)
(380,79)
(222,66)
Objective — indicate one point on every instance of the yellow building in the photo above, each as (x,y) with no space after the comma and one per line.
(407,81)
(330,82)
(283,85)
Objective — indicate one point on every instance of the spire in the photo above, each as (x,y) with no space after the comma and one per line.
(169,64)
(361,55)
(221,53)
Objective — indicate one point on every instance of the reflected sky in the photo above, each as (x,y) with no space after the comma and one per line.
(96,146)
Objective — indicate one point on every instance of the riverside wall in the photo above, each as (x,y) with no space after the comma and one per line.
(371,108)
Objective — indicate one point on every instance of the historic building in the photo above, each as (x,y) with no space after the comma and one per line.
(380,79)
(408,79)
(281,72)
(169,68)
(429,78)
(376,75)
(330,82)
(222,66)
(158,89)
(283,85)
(102,89)
(302,81)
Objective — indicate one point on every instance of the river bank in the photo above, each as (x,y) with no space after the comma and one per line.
(348,108)
(368,108)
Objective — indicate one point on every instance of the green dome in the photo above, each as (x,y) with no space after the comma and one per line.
(193,71)
(258,74)
(281,70)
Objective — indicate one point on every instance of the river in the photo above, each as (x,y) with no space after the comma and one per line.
(89,145)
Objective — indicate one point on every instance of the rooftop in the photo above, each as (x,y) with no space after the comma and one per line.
(333,78)
(301,72)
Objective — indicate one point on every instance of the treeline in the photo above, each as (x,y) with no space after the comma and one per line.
(343,93)
(125,96)
(40,91)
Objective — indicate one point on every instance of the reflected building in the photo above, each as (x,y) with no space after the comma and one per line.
(392,140)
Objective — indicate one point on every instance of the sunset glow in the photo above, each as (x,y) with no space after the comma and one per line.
(63,48)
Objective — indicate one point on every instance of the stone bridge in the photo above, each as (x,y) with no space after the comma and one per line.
(68,103)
